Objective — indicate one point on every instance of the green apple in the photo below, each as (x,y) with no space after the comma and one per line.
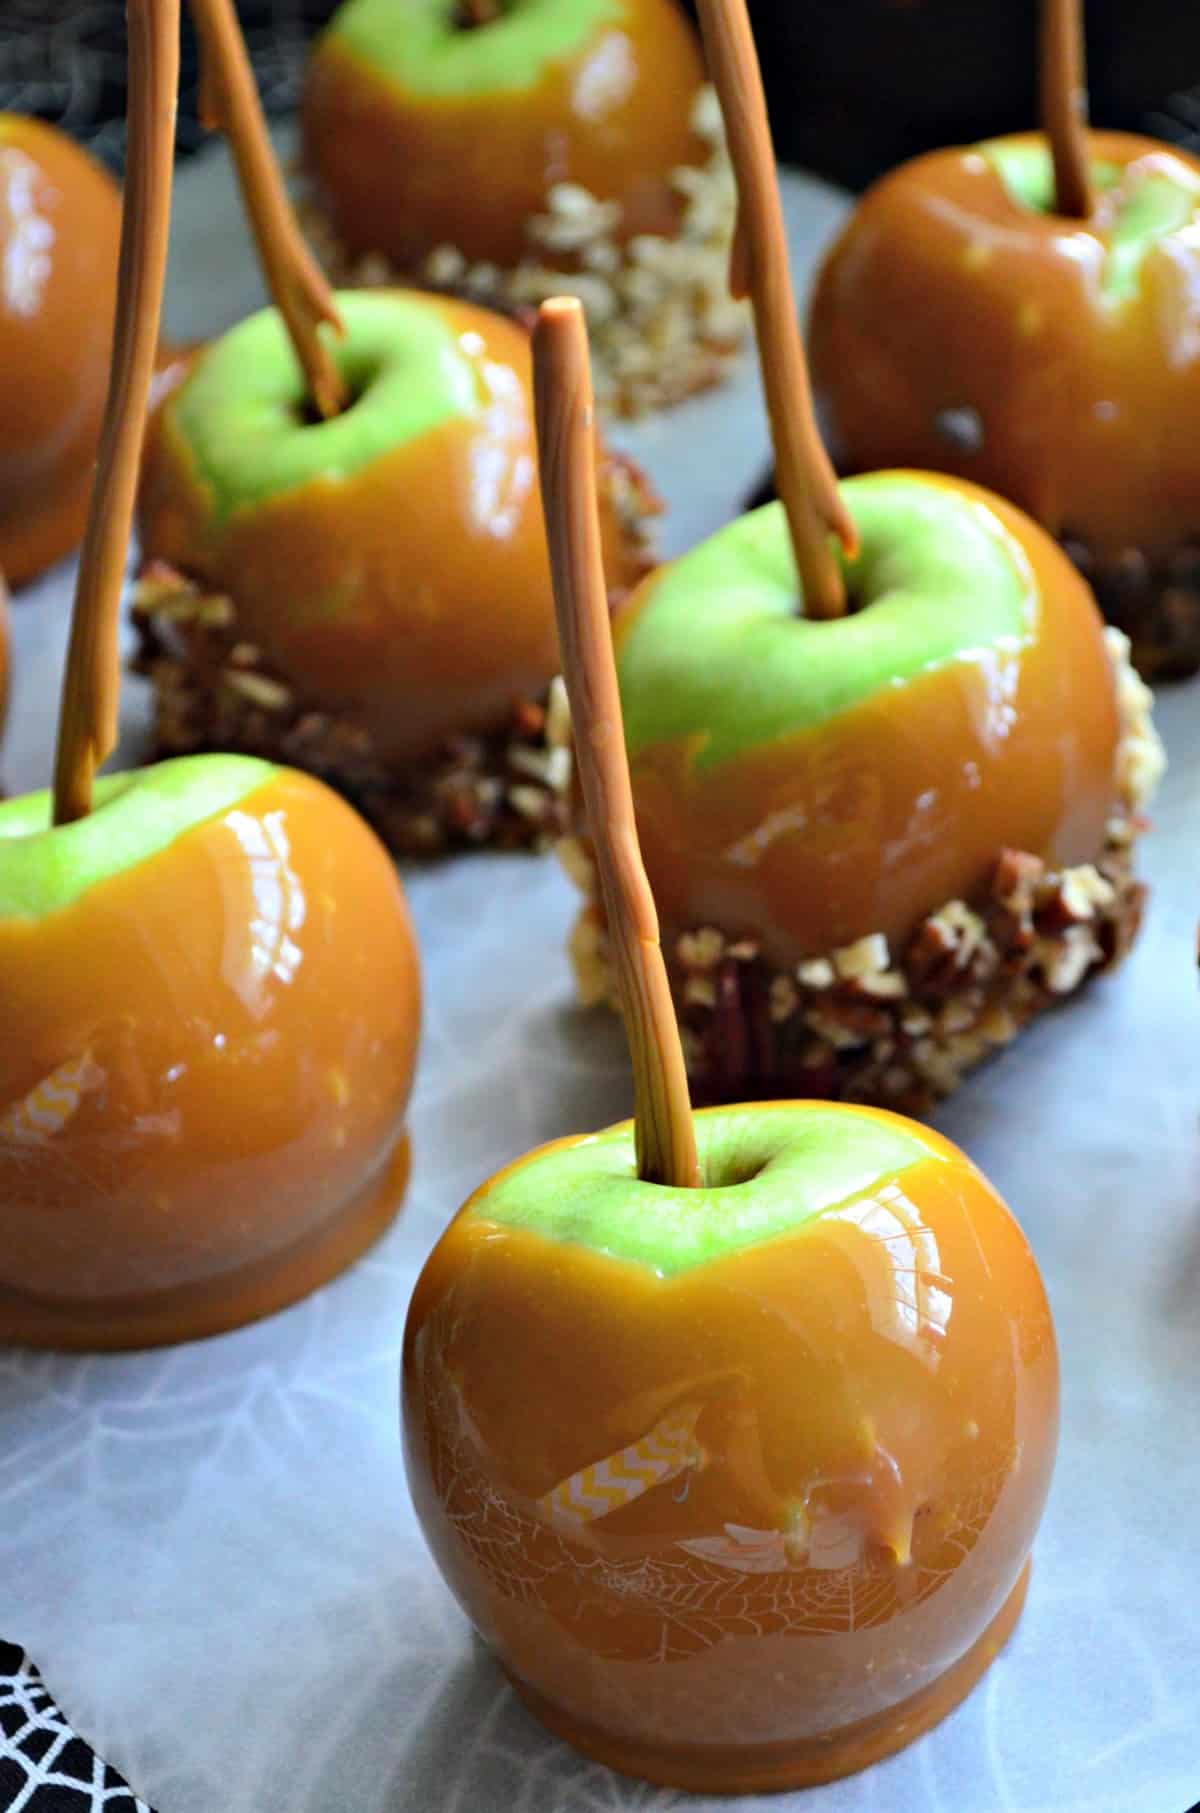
(417,46)
(937,577)
(766,1171)
(44,868)
(242,412)
(1153,206)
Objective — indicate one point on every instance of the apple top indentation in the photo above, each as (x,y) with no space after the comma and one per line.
(1139,204)
(715,649)
(422,49)
(766,1170)
(242,411)
(135,816)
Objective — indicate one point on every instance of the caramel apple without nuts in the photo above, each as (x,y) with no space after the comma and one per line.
(731,1436)
(60,219)
(493,146)
(966,322)
(208,977)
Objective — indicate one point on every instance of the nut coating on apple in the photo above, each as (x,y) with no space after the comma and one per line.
(60,217)
(216,981)
(961,323)
(739,1482)
(368,597)
(500,148)
(878,844)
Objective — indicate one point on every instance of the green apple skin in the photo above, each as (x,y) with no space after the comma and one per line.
(937,579)
(665,1445)
(241,411)
(420,48)
(1160,204)
(766,1171)
(135,816)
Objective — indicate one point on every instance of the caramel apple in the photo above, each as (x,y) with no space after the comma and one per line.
(731,1437)
(966,319)
(60,216)
(879,841)
(346,567)
(208,971)
(502,148)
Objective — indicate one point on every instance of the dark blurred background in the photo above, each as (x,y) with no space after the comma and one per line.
(855,85)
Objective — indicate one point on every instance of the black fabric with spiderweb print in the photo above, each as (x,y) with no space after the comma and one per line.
(45,1766)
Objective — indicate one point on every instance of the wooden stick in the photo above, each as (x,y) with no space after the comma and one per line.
(229,103)
(759,268)
(666,1140)
(87,728)
(1064,105)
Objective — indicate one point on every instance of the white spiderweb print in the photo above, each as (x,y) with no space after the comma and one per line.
(685,1599)
(44,1766)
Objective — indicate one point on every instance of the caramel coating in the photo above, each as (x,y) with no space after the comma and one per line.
(60,224)
(435,558)
(402,174)
(203,1118)
(868,1408)
(902,802)
(944,295)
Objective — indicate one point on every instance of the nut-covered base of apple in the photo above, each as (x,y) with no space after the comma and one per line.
(1155,601)
(225,1301)
(661,320)
(212,691)
(902,1029)
(718,1770)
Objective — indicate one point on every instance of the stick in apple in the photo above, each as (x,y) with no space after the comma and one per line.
(87,729)
(665,1137)
(1064,105)
(804,476)
(229,103)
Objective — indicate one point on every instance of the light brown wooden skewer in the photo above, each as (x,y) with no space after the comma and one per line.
(665,1136)
(1064,105)
(758,267)
(229,103)
(87,727)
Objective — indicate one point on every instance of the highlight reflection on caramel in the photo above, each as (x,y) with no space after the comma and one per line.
(403,174)
(956,330)
(200,1121)
(755,1524)
(416,591)
(60,222)
(901,803)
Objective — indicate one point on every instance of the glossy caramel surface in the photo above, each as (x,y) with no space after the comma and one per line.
(944,293)
(402,174)
(215,1055)
(900,803)
(740,1527)
(60,223)
(414,592)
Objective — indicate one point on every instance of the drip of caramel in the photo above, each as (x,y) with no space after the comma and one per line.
(477,12)
(665,1137)
(1064,105)
(87,727)
(759,268)
(229,103)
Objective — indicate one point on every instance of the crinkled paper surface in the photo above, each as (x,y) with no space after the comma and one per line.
(211,1552)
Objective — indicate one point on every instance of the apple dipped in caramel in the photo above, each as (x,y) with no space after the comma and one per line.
(986,315)
(60,218)
(888,791)
(497,147)
(731,1435)
(209,976)
(346,567)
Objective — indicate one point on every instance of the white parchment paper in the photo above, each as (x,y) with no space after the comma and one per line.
(211,1551)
